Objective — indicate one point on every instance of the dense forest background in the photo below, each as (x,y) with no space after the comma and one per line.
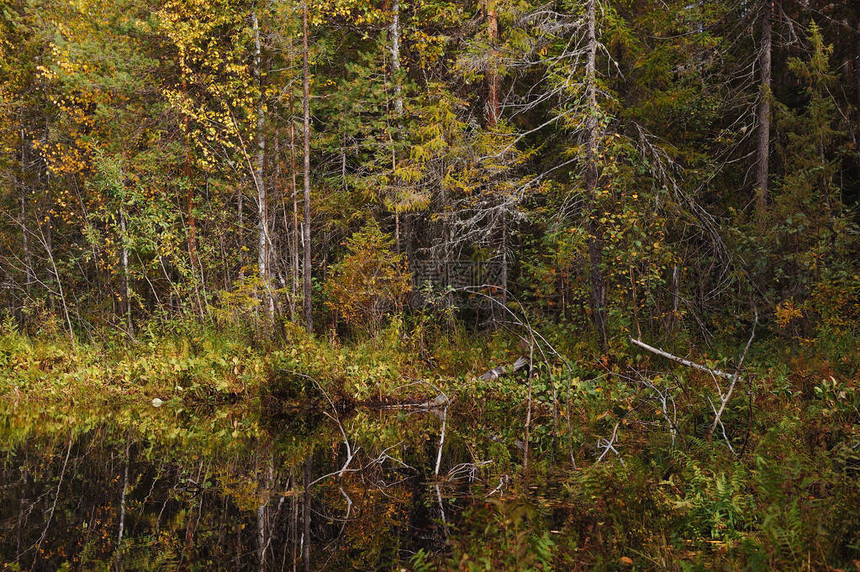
(266,228)
(669,168)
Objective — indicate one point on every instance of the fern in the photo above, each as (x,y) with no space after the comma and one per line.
(421,561)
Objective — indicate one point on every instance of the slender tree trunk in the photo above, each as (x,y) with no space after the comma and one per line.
(263,239)
(125,273)
(447,239)
(189,215)
(676,298)
(306,228)
(261,537)
(45,237)
(397,229)
(240,208)
(295,261)
(276,172)
(29,275)
(493,107)
(192,238)
(505,254)
(492,118)
(857,61)
(595,247)
(263,531)
(122,505)
(763,149)
(293,190)
(394,32)
(124,261)
(504,273)
(306,515)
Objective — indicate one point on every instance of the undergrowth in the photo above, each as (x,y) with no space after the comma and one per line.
(623,469)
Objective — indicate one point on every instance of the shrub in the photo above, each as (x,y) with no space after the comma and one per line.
(369,282)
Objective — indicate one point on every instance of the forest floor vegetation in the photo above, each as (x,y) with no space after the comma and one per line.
(612,458)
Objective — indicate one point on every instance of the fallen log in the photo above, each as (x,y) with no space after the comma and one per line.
(501,371)
(441,400)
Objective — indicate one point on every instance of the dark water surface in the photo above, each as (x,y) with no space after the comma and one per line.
(167,488)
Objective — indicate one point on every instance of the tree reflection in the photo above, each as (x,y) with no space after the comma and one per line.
(95,492)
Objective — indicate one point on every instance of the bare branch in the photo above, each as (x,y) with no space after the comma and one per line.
(728,396)
(682,361)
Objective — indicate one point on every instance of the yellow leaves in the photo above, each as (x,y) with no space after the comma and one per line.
(45,72)
(359,12)
(72,158)
(786,312)
(428,47)
(369,281)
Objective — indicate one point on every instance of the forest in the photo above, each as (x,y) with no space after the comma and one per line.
(429,284)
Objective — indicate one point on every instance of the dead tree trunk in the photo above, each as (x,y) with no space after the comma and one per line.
(763,148)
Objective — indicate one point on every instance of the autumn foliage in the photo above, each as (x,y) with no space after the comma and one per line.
(370,281)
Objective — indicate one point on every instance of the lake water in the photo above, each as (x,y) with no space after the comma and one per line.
(219,488)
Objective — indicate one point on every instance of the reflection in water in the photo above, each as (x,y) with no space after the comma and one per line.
(177,493)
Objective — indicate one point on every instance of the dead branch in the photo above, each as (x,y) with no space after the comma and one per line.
(441,440)
(725,399)
(350,453)
(441,399)
(501,371)
(504,480)
(722,427)
(682,361)
(608,444)
(466,470)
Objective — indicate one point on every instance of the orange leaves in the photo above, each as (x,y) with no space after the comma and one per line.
(369,282)
(786,312)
